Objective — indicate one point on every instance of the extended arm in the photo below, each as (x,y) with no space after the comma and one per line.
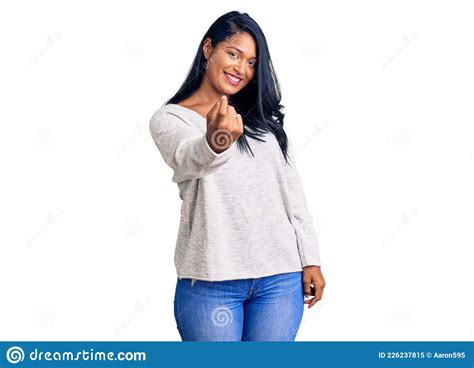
(184,149)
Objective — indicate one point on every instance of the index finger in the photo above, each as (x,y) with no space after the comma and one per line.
(307,287)
(223,106)
(316,298)
(212,113)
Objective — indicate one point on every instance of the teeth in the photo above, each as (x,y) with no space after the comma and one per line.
(235,79)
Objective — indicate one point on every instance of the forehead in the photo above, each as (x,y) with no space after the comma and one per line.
(243,42)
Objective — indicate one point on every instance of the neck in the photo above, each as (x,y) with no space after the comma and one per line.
(206,95)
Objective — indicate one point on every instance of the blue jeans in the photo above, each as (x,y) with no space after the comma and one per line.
(263,309)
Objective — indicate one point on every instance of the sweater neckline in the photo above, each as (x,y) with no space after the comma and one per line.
(188,110)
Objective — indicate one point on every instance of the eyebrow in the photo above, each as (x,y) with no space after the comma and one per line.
(239,50)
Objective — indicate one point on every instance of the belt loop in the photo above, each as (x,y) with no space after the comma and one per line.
(193,281)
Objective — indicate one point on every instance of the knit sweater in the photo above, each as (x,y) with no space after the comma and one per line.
(241,216)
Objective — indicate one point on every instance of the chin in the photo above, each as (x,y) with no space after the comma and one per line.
(229,91)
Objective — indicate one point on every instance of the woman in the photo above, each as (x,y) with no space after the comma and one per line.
(246,255)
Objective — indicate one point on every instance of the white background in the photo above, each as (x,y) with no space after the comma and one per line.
(379,103)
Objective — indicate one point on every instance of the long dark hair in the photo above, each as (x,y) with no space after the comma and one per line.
(259,101)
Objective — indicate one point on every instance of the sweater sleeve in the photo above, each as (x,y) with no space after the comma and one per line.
(308,245)
(184,148)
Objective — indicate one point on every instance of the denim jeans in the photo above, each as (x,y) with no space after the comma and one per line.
(268,308)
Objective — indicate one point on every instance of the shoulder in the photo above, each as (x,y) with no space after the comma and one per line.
(162,111)
(167,114)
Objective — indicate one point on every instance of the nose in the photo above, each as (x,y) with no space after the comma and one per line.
(239,68)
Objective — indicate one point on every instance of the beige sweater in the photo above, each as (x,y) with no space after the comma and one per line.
(241,216)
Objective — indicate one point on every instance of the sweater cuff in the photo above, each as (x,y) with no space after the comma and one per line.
(310,256)
(309,262)
(308,246)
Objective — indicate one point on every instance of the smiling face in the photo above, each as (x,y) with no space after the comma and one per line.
(231,64)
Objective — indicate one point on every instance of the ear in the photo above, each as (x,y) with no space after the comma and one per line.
(207,48)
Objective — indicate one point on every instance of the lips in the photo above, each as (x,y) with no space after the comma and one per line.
(232,79)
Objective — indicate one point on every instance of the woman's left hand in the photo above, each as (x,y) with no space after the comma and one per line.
(312,275)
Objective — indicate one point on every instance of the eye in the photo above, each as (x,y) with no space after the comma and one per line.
(252,63)
(232,54)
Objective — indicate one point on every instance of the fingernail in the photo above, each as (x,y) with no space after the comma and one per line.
(224,97)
